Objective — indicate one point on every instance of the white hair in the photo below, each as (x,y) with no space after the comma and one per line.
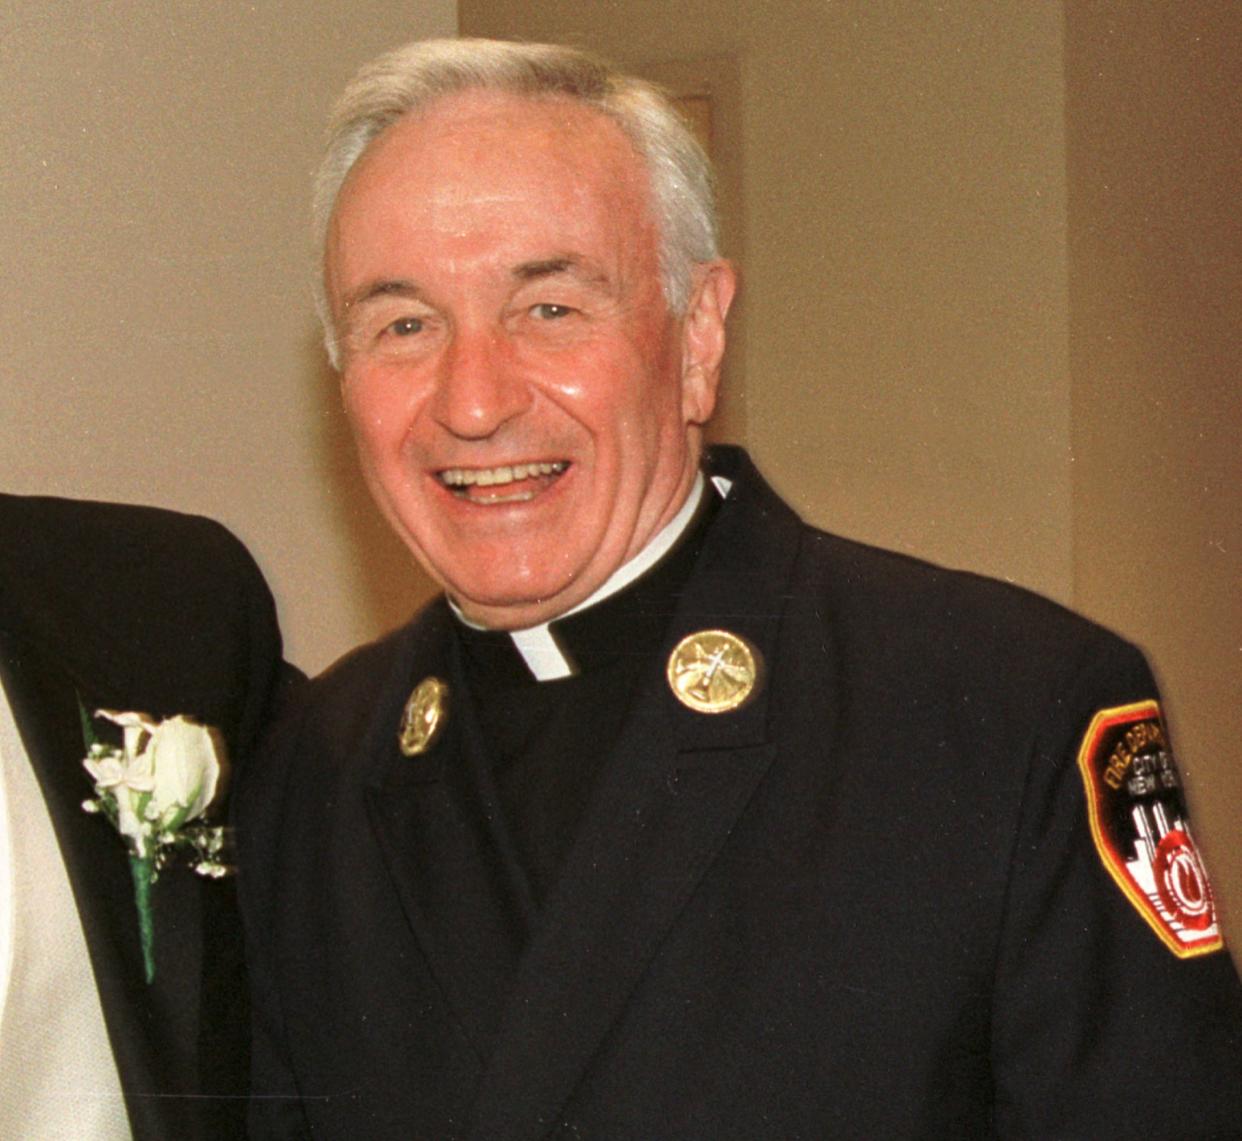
(411,77)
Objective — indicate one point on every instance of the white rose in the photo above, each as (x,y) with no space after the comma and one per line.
(186,770)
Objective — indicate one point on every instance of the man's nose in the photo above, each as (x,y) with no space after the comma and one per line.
(479,389)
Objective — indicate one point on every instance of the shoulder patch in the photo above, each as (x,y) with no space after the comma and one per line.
(1140,827)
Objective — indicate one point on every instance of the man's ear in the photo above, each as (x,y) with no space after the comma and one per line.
(703,339)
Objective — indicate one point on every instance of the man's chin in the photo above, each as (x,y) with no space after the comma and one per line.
(514,610)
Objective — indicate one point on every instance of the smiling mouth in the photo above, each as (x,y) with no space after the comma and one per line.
(509,483)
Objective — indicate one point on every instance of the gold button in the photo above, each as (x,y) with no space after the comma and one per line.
(712,671)
(423,717)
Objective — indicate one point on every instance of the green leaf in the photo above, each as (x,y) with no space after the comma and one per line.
(88,727)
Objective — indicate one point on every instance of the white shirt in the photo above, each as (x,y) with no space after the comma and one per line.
(58,1078)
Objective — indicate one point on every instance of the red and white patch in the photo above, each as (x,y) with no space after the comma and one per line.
(1138,821)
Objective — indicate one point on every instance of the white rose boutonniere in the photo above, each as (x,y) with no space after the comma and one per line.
(153,789)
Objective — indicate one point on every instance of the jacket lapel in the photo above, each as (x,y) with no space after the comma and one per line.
(154,1030)
(466,904)
(672,790)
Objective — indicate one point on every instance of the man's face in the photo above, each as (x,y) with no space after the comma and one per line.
(525,405)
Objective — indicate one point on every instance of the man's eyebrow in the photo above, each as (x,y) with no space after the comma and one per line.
(372,289)
(565,263)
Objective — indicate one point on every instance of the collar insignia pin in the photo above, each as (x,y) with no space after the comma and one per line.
(423,717)
(712,671)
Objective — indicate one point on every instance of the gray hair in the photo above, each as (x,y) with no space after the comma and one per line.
(411,77)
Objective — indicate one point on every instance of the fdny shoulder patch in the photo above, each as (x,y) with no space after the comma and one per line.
(1139,823)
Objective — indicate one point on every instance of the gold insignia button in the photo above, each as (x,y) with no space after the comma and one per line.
(712,671)
(423,717)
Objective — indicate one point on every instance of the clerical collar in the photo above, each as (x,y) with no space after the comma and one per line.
(557,649)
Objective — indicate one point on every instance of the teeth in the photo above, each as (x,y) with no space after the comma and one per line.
(490,477)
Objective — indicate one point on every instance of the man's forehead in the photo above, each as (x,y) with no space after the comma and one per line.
(480,149)
(489,180)
(482,121)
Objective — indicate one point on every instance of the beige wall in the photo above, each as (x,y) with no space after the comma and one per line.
(1155,169)
(993,299)
(159,342)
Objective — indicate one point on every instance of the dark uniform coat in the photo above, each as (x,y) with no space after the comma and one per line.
(138,609)
(865,904)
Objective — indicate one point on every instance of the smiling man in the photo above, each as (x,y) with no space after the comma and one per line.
(676,818)
(527,405)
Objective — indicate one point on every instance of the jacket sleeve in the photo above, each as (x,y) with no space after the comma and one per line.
(1116,1012)
(275,1108)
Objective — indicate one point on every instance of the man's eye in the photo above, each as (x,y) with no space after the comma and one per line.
(405,327)
(546,311)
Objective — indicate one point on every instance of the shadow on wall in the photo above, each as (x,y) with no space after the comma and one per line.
(382,575)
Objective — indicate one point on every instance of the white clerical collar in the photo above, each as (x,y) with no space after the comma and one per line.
(537,644)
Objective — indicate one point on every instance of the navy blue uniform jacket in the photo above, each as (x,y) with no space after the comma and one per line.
(866,904)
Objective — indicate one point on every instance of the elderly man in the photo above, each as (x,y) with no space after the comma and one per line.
(676,818)
(128,609)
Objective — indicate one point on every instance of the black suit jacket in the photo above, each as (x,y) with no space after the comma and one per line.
(139,609)
(865,904)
